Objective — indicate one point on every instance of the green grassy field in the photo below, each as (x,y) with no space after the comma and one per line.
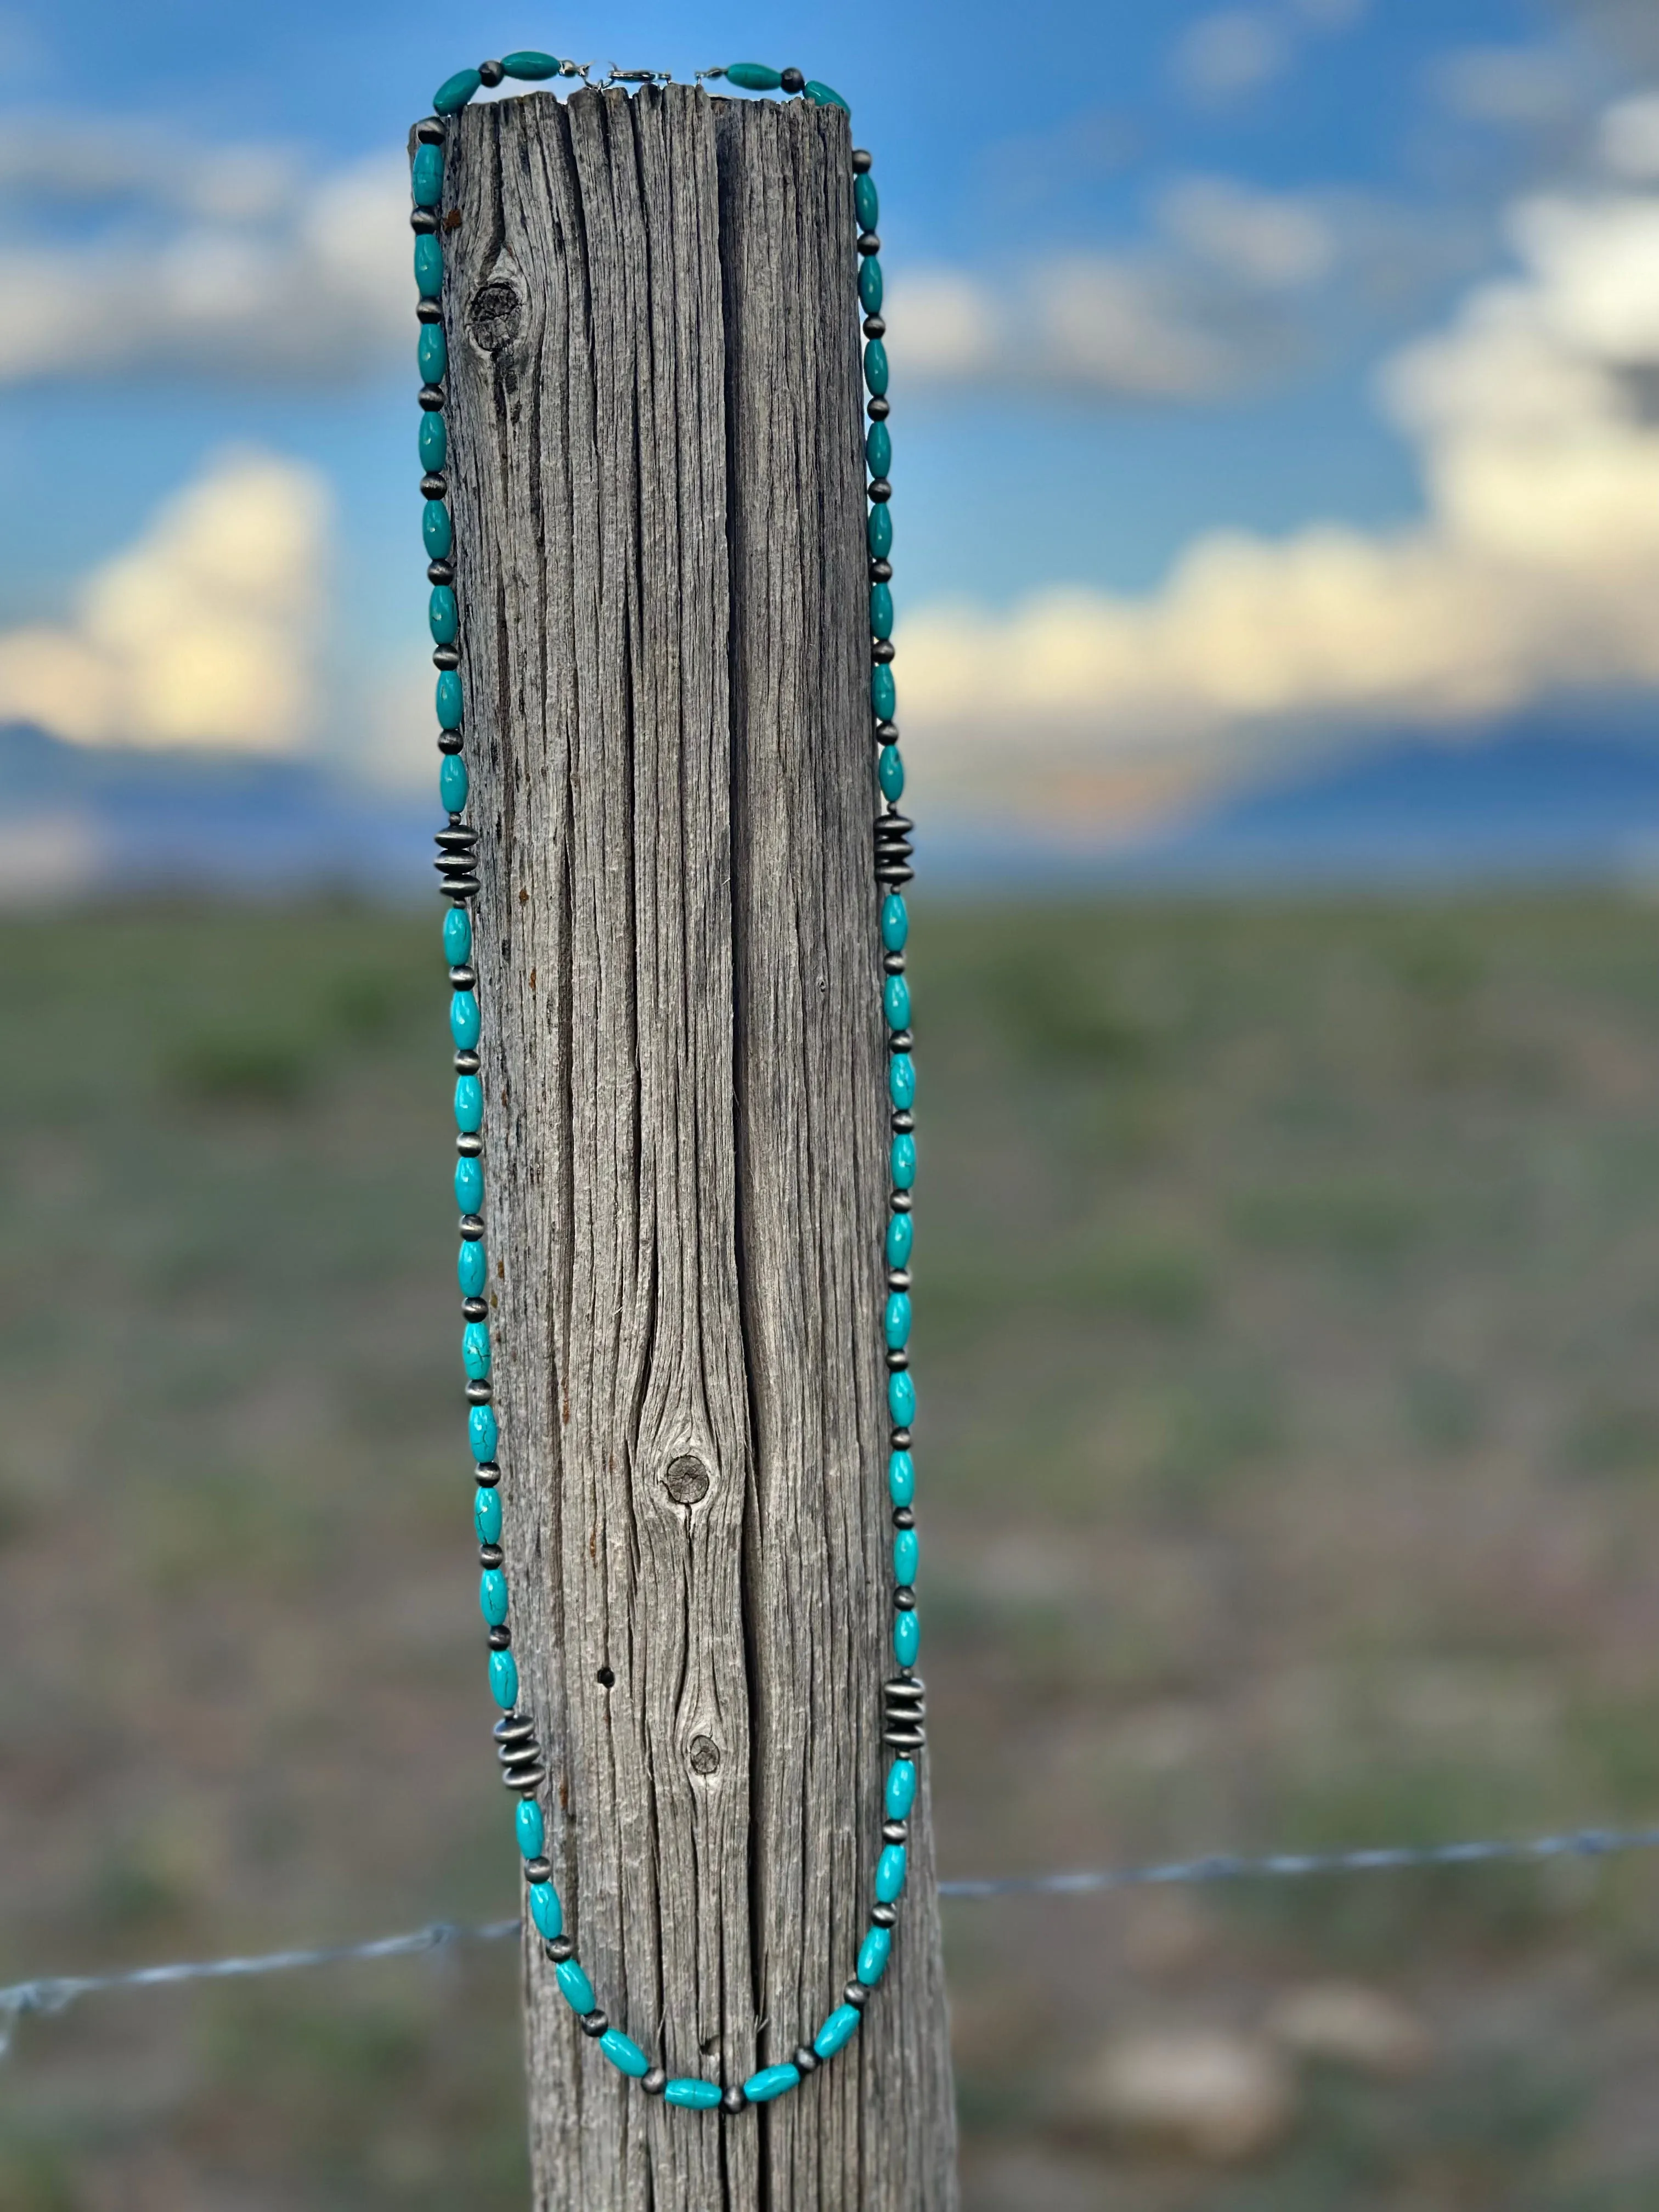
(1288,1287)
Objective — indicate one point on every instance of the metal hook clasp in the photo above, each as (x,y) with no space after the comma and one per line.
(639,76)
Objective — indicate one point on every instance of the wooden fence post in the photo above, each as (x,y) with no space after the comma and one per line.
(657,487)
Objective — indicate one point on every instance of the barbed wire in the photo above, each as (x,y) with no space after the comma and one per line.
(56,1993)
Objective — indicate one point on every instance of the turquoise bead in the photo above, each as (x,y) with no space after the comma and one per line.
(753,76)
(475,1337)
(895,929)
(824,95)
(429,267)
(481,1431)
(544,1907)
(449,697)
(879,531)
(492,1596)
(901,1400)
(468,1186)
(906,1551)
(838,2030)
(901,1478)
(890,773)
(531,1829)
(452,783)
(889,1875)
(865,201)
(439,534)
(904,1163)
(900,1239)
(901,1789)
(698,2096)
(531,67)
(504,1680)
(896,1319)
(443,616)
(432,354)
(881,611)
(473,1273)
(458,936)
(896,1002)
(907,1638)
(573,1986)
(875,367)
(435,439)
(487,1514)
(469,1104)
(454,92)
(426,176)
(872,1958)
(884,696)
(463,1019)
(879,439)
(624,2053)
(771,2082)
(902,1081)
(870,295)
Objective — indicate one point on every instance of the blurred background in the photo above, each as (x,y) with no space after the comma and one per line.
(1277,421)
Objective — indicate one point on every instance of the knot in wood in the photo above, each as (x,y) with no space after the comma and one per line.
(494,315)
(686,1480)
(705,1756)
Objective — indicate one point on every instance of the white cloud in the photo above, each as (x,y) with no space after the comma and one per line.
(1629,138)
(203,632)
(1508,84)
(1233,52)
(1277,240)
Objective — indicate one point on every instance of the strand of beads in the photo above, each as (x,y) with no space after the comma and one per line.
(523,1770)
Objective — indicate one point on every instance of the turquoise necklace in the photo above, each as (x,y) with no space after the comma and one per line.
(523,1767)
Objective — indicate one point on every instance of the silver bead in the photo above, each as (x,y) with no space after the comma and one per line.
(855,1995)
(655,2082)
(732,2101)
(469,1144)
(538,1870)
(803,2058)
(559,1949)
(596,2022)
(895,1831)
(884,1915)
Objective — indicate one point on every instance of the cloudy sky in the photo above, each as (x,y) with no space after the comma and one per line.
(1267,375)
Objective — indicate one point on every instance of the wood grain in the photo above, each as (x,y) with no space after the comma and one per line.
(657,488)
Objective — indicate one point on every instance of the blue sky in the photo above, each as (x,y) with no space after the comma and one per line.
(1151,262)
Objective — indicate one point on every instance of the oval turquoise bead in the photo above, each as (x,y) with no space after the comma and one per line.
(896,1002)
(454,92)
(426,176)
(429,266)
(771,2082)
(889,1875)
(896,1319)
(435,439)
(895,930)
(531,1829)
(900,1239)
(458,936)
(468,1186)
(481,1431)
(900,1793)
(906,1557)
(469,1104)
(697,2096)
(890,773)
(875,367)
(824,95)
(452,783)
(902,1081)
(867,201)
(881,611)
(473,1273)
(504,1680)
(870,294)
(439,536)
(753,76)
(432,354)
(903,1163)
(573,1986)
(884,695)
(487,1517)
(624,2053)
(531,67)
(443,616)
(544,1907)
(448,699)
(492,1596)
(873,1957)
(879,531)
(907,1638)
(901,1400)
(475,1337)
(463,1019)
(879,443)
(838,2030)
(901,1478)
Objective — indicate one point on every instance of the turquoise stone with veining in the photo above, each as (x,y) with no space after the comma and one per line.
(448,698)
(753,76)
(435,439)
(481,1434)
(902,1081)
(492,1596)
(906,1551)
(900,1239)
(873,1957)
(884,696)
(473,1273)
(438,534)
(903,1163)
(901,1398)
(771,2082)
(573,1986)
(487,1516)
(529,66)
(452,783)
(907,1638)
(879,531)
(429,267)
(881,611)
(889,1875)
(432,354)
(475,1337)
(839,2029)
(454,92)
(901,1478)
(469,1104)
(426,176)
(443,616)
(504,1680)
(824,95)
(531,1829)
(865,201)
(875,367)
(698,2096)
(624,2053)
(900,1793)
(463,1019)
(895,929)
(469,1194)
(890,773)
(896,1002)
(544,1907)
(458,936)
(896,1323)
(870,297)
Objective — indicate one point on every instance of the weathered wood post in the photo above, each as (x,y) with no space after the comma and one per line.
(656,473)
